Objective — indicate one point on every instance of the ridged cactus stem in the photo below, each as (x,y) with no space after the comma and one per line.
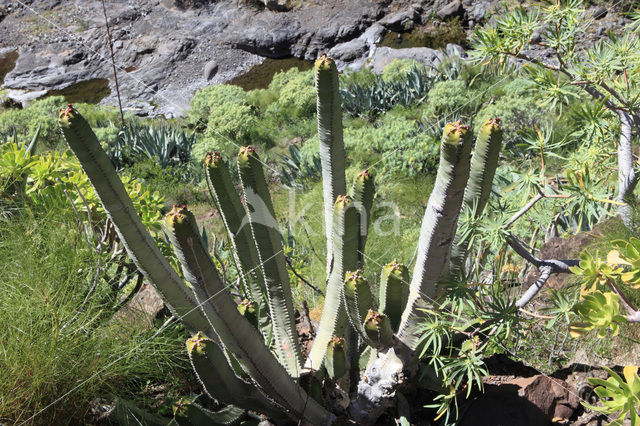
(378,330)
(438,226)
(235,331)
(138,242)
(266,235)
(187,413)
(394,291)
(336,362)
(484,163)
(358,300)
(332,154)
(206,358)
(345,248)
(362,191)
(232,212)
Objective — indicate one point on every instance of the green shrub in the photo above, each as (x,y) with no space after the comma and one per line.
(25,122)
(452,98)
(399,146)
(227,119)
(296,96)
(49,361)
(515,106)
(398,68)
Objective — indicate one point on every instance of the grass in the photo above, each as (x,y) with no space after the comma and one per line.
(48,362)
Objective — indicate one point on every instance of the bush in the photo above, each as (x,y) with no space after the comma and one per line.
(398,69)
(295,96)
(515,106)
(397,145)
(227,119)
(25,122)
(452,98)
(55,345)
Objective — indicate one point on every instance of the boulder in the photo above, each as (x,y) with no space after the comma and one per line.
(278,5)
(451,10)
(531,401)
(350,50)
(383,56)
(401,21)
(210,69)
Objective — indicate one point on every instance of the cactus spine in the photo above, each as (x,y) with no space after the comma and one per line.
(484,163)
(332,155)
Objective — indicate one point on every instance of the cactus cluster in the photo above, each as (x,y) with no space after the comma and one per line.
(245,350)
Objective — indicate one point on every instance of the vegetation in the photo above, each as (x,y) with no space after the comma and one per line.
(556,163)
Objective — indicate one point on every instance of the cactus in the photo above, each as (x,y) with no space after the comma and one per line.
(268,241)
(394,291)
(483,168)
(377,327)
(187,413)
(358,300)
(362,192)
(236,364)
(332,156)
(336,362)
(438,226)
(345,258)
(232,212)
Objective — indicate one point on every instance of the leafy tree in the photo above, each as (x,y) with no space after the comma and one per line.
(607,70)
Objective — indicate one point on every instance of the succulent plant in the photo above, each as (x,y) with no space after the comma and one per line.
(246,352)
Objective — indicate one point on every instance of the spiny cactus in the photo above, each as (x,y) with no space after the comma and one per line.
(251,359)
(332,155)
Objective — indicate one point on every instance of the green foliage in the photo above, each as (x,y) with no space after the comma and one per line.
(225,116)
(516,107)
(57,343)
(452,98)
(597,311)
(371,99)
(398,69)
(618,395)
(25,122)
(294,95)
(165,145)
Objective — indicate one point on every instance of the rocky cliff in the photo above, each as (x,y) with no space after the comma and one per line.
(165,50)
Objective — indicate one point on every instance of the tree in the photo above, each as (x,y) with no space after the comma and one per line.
(607,70)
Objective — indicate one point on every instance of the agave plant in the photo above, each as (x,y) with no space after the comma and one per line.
(245,351)
(168,146)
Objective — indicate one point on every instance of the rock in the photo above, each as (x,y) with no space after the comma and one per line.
(451,10)
(278,5)
(373,34)
(478,11)
(455,50)
(536,36)
(531,401)
(600,12)
(143,307)
(383,56)
(554,397)
(349,50)
(400,21)
(210,69)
